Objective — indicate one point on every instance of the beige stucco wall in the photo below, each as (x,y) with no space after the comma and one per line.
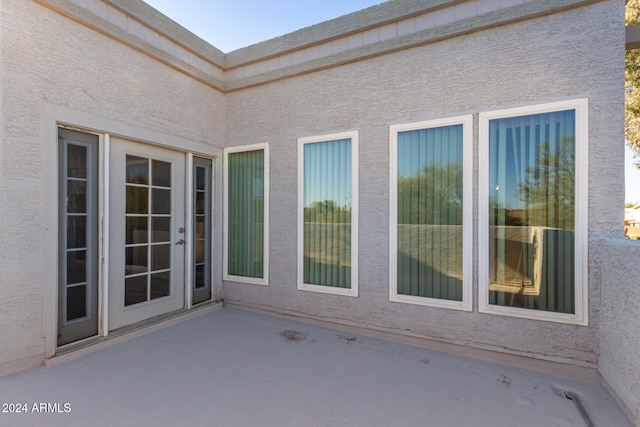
(619,358)
(50,61)
(541,60)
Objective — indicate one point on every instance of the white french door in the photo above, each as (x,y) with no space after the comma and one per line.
(147,236)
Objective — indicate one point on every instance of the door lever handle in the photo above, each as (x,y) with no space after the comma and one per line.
(180,242)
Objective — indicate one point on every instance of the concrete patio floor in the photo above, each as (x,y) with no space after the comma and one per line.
(234,367)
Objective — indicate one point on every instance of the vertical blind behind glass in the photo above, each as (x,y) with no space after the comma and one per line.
(327,213)
(246,214)
(430,213)
(532,211)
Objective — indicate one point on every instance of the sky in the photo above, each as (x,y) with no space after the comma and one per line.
(232,24)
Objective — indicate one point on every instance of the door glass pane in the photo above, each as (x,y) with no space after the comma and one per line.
(76,196)
(137,200)
(200,202)
(200,227)
(136,259)
(161,174)
(160,285)
(160,229)
(201,174)
(246,214)
(76,302)
(76,232)
(532,211)
(160,257)
(327,213)
(76,161)
(135,290)
(430,213)
(76,267)
(137,230)
(161,201)
(200,251)
(137,170)
(199,276)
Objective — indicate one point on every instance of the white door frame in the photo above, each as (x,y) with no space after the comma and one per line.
(55,116)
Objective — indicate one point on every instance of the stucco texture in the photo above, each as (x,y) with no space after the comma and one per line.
(541,60)
(619,359)
(48,59)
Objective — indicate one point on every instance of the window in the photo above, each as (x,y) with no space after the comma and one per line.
(246,214)
(328,214)
(533,212)
(430,213)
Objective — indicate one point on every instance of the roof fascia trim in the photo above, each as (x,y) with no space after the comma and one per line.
(143,13)
(490,20)
(355,22)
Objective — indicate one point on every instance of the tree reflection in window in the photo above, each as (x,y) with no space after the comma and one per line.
(532,211)
(327,213)
(430,194)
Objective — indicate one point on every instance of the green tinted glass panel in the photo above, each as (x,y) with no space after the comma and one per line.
(246,213)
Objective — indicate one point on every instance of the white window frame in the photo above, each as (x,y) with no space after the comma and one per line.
(581,108)
(467,213)
(353,291)
(264,281)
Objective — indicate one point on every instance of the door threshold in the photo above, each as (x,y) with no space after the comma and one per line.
(91,344)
